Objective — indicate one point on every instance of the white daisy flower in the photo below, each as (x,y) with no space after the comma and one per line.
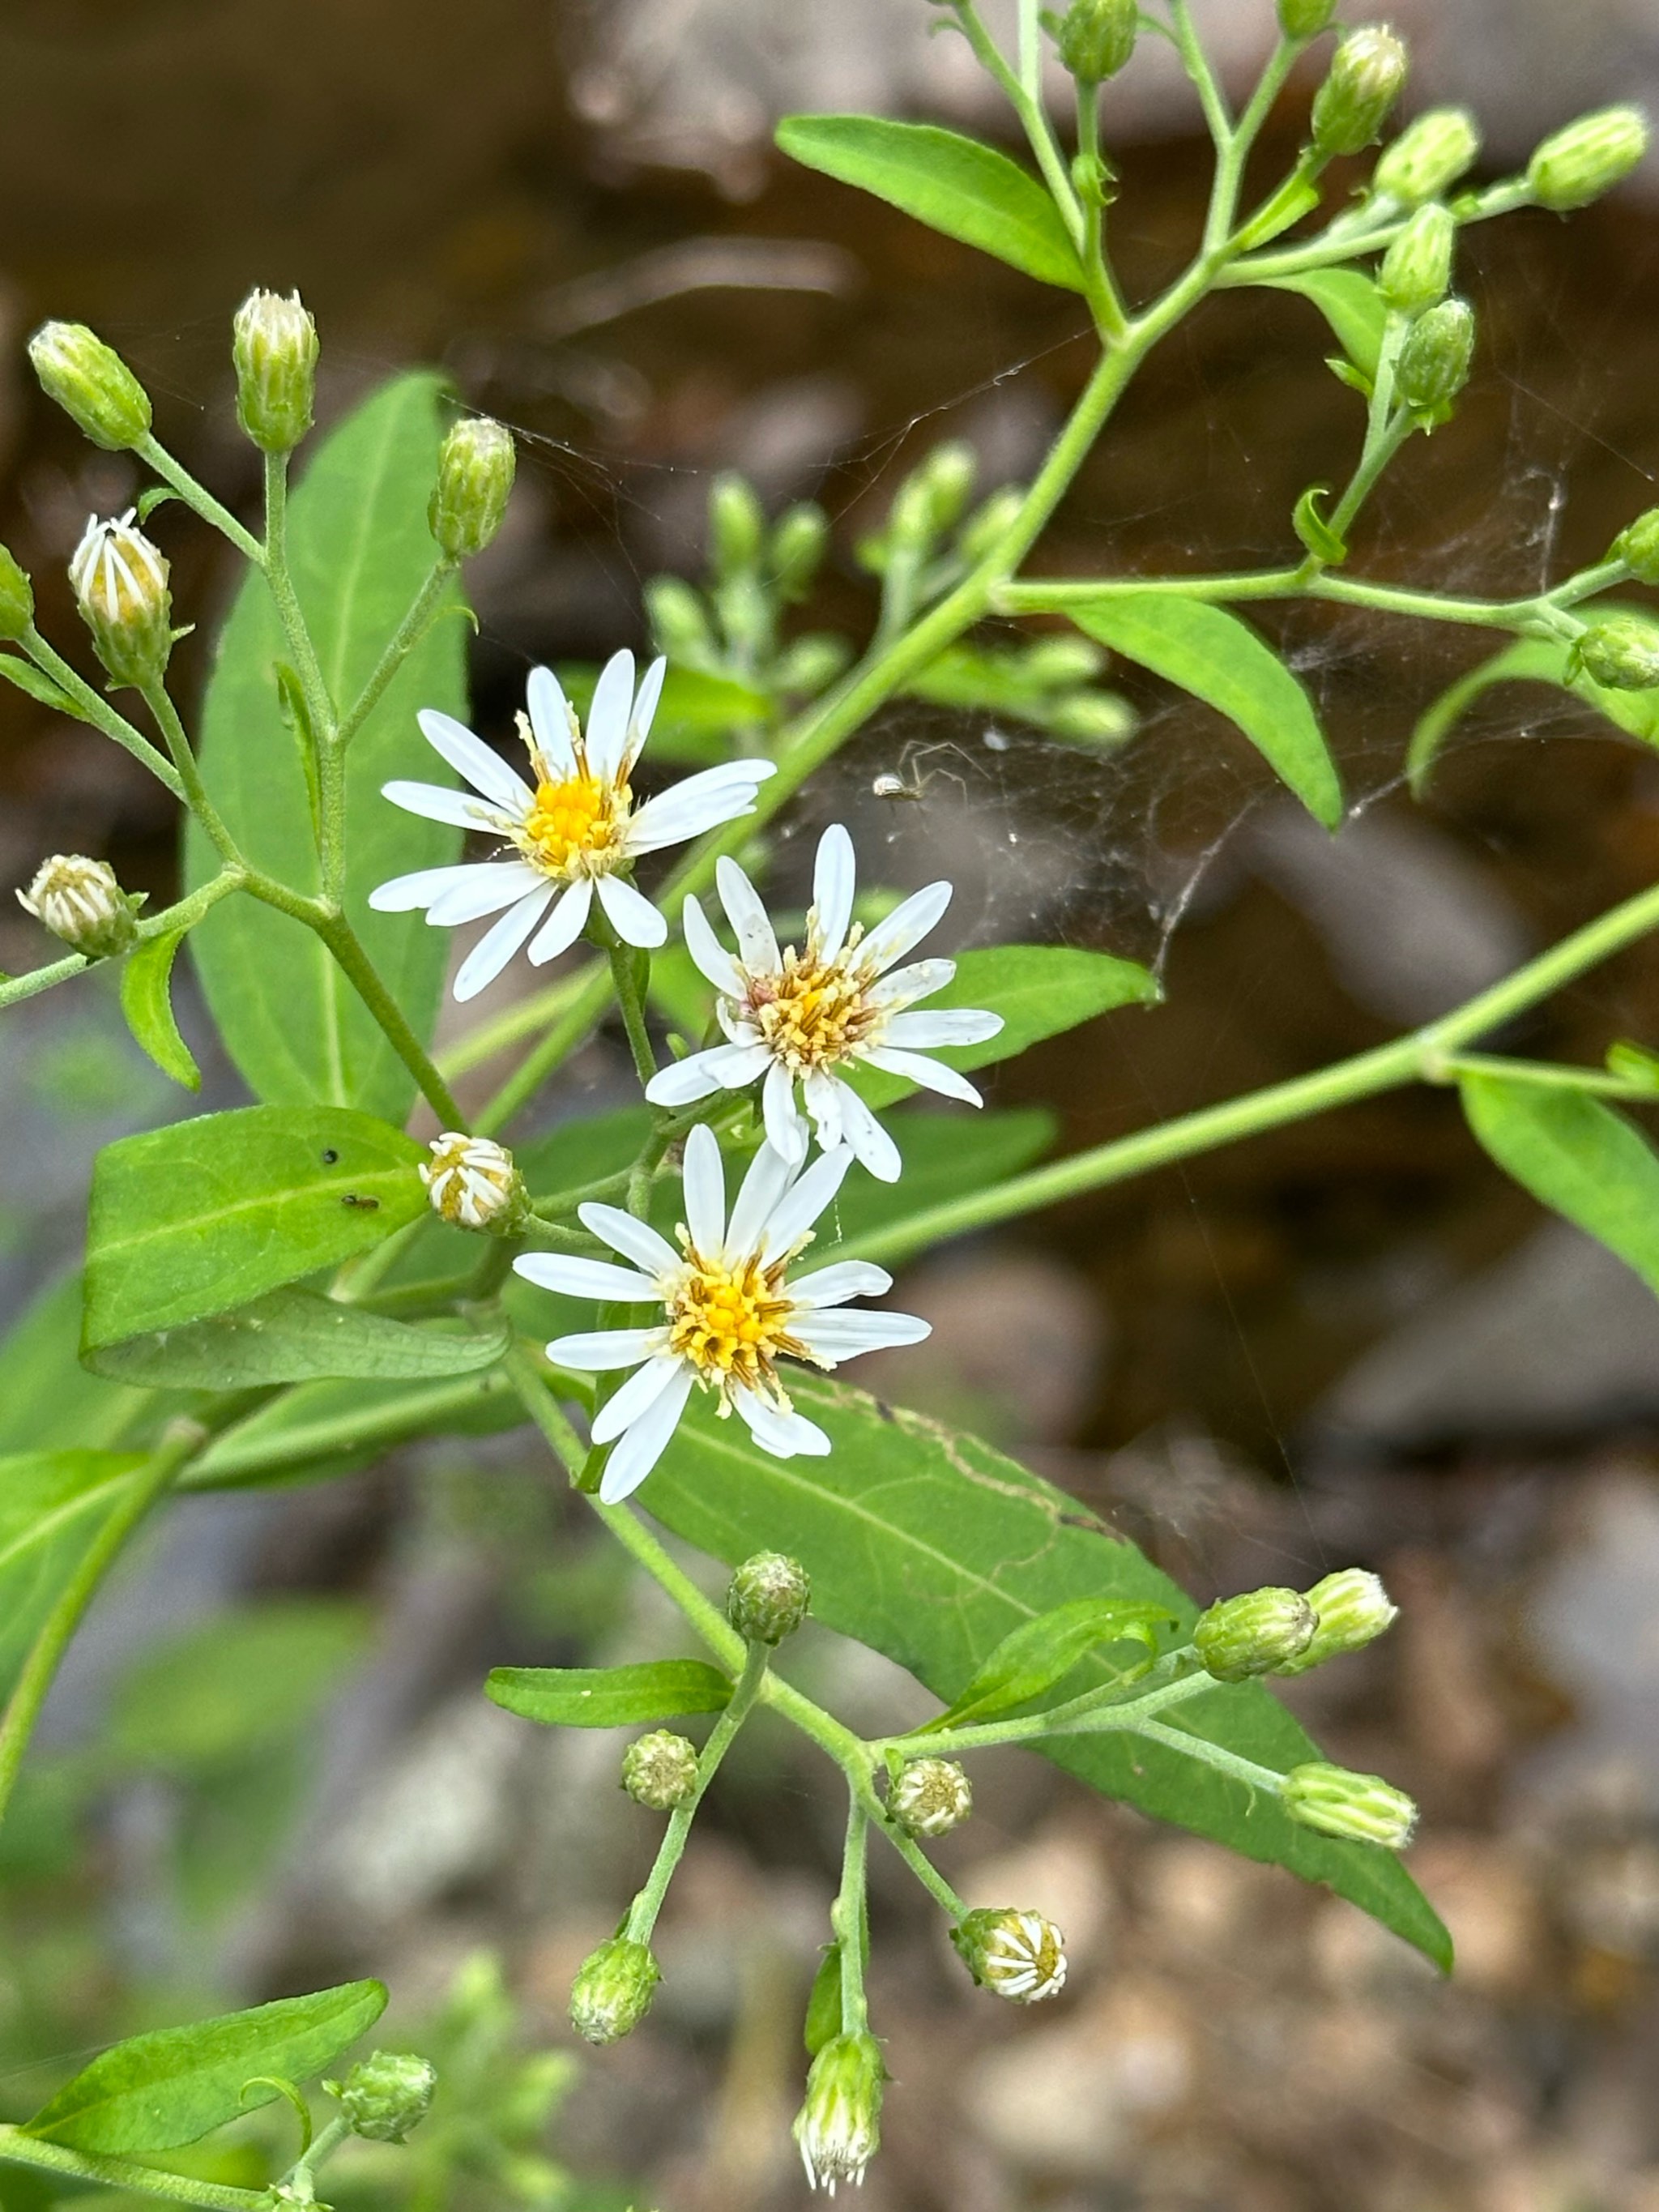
(729,1311)
(574,835)
(797,1017)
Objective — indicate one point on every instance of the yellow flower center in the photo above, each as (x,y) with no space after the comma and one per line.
(813,1012)
(732,1322)
(574,828)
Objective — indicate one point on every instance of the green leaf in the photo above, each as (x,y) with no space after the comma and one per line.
(1315,532)
(160,2091)
(204,1215)
(822,2022)
(610,1697)
(932,1547)
(49,1401)
(147,1002)
(1635,1064)
(236,1687)
(1032,1659)
(296,1336)
(951,184)
(38,685)
(360,550)
(1528,661)
(322,1429)
(1576,1155)
(52,1504)
(1351,305)
(1218,659)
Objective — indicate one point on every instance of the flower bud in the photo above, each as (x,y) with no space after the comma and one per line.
(274,346)
(1589,157)
(990,523)
(16,598)
(1360,1808)
(809,664)
(386,2095)
(1637,547)
(1352,1608)
(1367,76)
(679,626)
(1305,19)
(1093,718)
(91,383)
(473,1184)
(768,1598)
(120,584)
(948,475)
(660,1771)
(1018,1956)
(613,1990)
(80,902)
(930,1797)
(797,551)
(737,524)
(1620,653)
(1254,1633)
(1434,361)
(475,467)
(1428,157)
(839,2124)
(1416,268)
(1095,38)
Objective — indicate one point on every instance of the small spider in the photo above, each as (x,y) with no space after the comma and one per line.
(907,783)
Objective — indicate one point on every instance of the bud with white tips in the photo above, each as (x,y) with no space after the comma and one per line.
(16,598)
(839,2125)
(1254,1633)
(1637,547)
(930,1797)
(660,1770)
(1352,1609)
(1367,76)
(1436,359)
(613,1990)
(1095,38)
(476,464)
(1017,1955)
(473,1184)
(274,346)
(92,384)
(768,1598)
(1589,158)
(82,904)
(1416,270)
(386,2095)
(1428,157)
(1305,19)
(1358,1808)
(120,585)
(1620,653)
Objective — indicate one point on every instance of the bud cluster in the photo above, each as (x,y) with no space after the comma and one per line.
(81,902)
(1435,360)
(1416,270)
(1620,652)
(1258,1632)
(1357,1807)
(1638,547)
(1428,157)
(120,585)
(839,2126)
(1587,158)
(1095,38)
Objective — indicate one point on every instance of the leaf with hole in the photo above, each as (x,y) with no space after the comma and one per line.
(610,1697)
(147,1002)
(1576,1156)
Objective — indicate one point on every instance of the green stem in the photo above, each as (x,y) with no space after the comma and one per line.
(318,2153)
(95,708)
(1055,595)
(185,914)
(1097,1712)
(320,706)
(625,963)
(161,705)
(924,1869)
(404,638)
(343,942)
(1544,1074)
(1027,104)
(1105,300)
(642,1913)
(848,1918)
(1235,147)
(17,2148)
(1196,62)
(197,496)
(509,1027)
(256,1450)
(1213,1754)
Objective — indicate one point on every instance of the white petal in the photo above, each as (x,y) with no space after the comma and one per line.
(489,886)
(783,1435)
(786,1127)
(763,1187)
(737,1064)
(904,985)
(499,943)
(486,771)
(822,1095)
(586,1278)
(637,1396)
(550,719)
(757,944)
(607,716)
(835,875)
(645,708)
(931,1075)
(631,915)
(712,957)
(947,1025)
(906,925)
(801,1204)
(434,804)
(701,802)
(683,1082)
(845,1335)
(643,1445)
(565,924)
(404,894)
(872,1147)
(599,1350)
(840,1280)
(703,1183)
(636,1240)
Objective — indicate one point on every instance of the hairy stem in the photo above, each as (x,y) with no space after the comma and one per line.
(95,708)
(642,1913)
(17,2148)
(403,640)
(848,1918)
(150,449)
(343,942)
(320,710)
(185,914)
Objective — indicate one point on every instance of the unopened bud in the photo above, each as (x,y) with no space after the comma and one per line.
(81,902)
(990,522)
(1435,359)
(613,1990)
(274,346)
(1360,1808)
(1620,653)
(16,598)
(1638,547)
(1352,1608)
(1058,662)
(679,626)
(1254,1633)
(1095,38)
(810,664)
(737,524)
(473,1184)
(1367,76)
(948,473)
(768,1598)
(1092,717)
(476,464)
(1428,158)
(930,1797)
(1305,19)
(1416,268)
(839,2125)
(1018,1956)
(120,585)
(1589,158)
(797,549)
(386,2095)
(660,1771)
(91,383)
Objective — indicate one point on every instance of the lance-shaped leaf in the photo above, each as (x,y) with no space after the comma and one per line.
(1209,652)
(205,1215)
(160,2091)
(610,1697)
(1351,304)
(147,1002)
(1032,1659)
(49,1401)
(52,1504)
(1528,661)
(1577,1156)
(296,1336)
(950,183)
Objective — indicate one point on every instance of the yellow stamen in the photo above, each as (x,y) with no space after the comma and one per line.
(812,1012)
(574,828)
(732,1322)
